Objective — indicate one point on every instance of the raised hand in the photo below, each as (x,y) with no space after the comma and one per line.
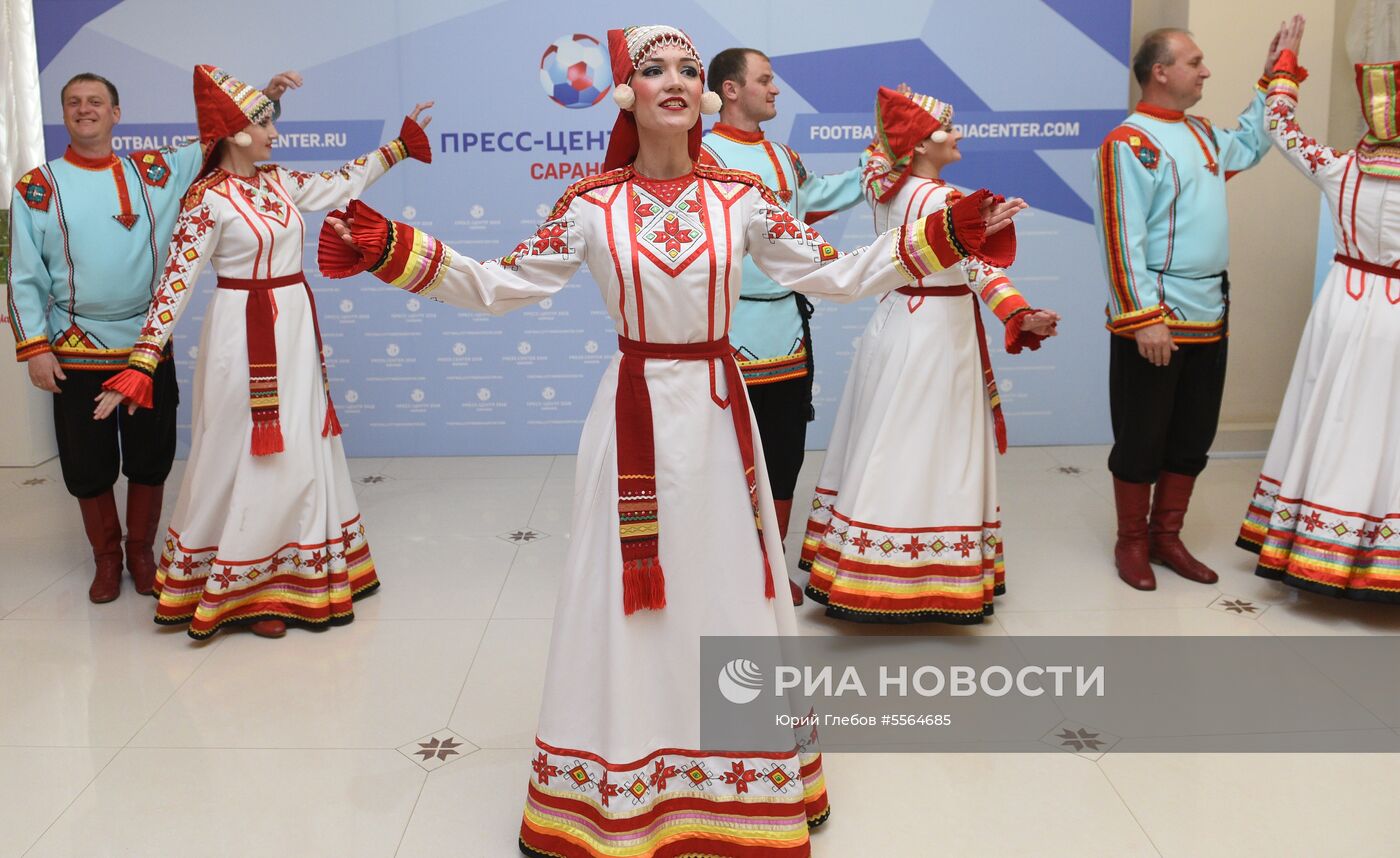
(1291,36)
(280,83)
(419,108)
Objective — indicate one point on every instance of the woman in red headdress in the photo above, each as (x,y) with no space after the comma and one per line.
(674,535)
(266,530)
(1325,514)
(904,530)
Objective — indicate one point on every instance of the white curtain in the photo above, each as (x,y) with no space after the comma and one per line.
(24,422)
(21,122)
(1373,35)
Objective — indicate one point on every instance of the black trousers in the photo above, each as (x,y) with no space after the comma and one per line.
(782,410)
(140,445)
(1164,418)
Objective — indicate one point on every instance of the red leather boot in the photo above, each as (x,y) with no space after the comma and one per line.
(1130,554)
(1169,503)
(142,519)
(104,533)
(783,508)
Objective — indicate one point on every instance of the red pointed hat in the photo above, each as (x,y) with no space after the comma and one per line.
(903,121)
(225,105)
(627,48)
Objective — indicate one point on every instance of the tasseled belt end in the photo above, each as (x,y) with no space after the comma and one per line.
(331,426)
(643,585)
(267,437)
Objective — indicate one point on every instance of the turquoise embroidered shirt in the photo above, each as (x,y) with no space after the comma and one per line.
(1161,216)
(767,334)
(88,242)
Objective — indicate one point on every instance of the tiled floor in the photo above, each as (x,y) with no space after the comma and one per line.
(407,733)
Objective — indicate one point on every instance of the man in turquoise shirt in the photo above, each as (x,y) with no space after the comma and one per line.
(1164,231)
(769,332)
(88,237)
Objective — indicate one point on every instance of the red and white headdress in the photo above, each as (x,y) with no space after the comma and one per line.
(901,123)
(224,106)
(627,49)
(1378,153)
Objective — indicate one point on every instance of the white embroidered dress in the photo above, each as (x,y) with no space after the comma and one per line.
(1325,515)
(619,769)
(904,526)
(267,536)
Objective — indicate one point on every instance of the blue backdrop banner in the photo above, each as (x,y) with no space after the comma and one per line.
(522,111)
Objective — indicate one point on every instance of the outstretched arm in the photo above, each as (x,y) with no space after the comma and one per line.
(360,239)
(822,196)
(796,256)
(1313,159)
(332,188)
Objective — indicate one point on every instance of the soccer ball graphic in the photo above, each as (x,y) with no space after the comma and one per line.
(575,71)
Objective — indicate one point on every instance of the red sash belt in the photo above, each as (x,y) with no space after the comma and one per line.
(260,315)
(643,581)
(993,396)
(941,291)
(1368,267)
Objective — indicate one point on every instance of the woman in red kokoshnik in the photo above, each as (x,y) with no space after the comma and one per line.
(673,535)
(266,530)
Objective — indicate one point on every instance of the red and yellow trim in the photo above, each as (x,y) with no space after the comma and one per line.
(1124,324)
(32,347)
(771,370)
(311,584)
(1182,330)
(413,260)
(871,573)
(928,245)
(1317,547)
(674,803)
(1121,278)
(1003,299)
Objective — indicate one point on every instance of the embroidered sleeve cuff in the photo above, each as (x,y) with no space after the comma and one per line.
(145,356)
(338,260)
(32,347)
(134,385)
(940,240)
(1126,323)
(1286,76)
(1003,299)
(414,141)
(411,260)
(394,252)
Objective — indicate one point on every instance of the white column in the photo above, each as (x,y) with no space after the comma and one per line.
(26,421)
